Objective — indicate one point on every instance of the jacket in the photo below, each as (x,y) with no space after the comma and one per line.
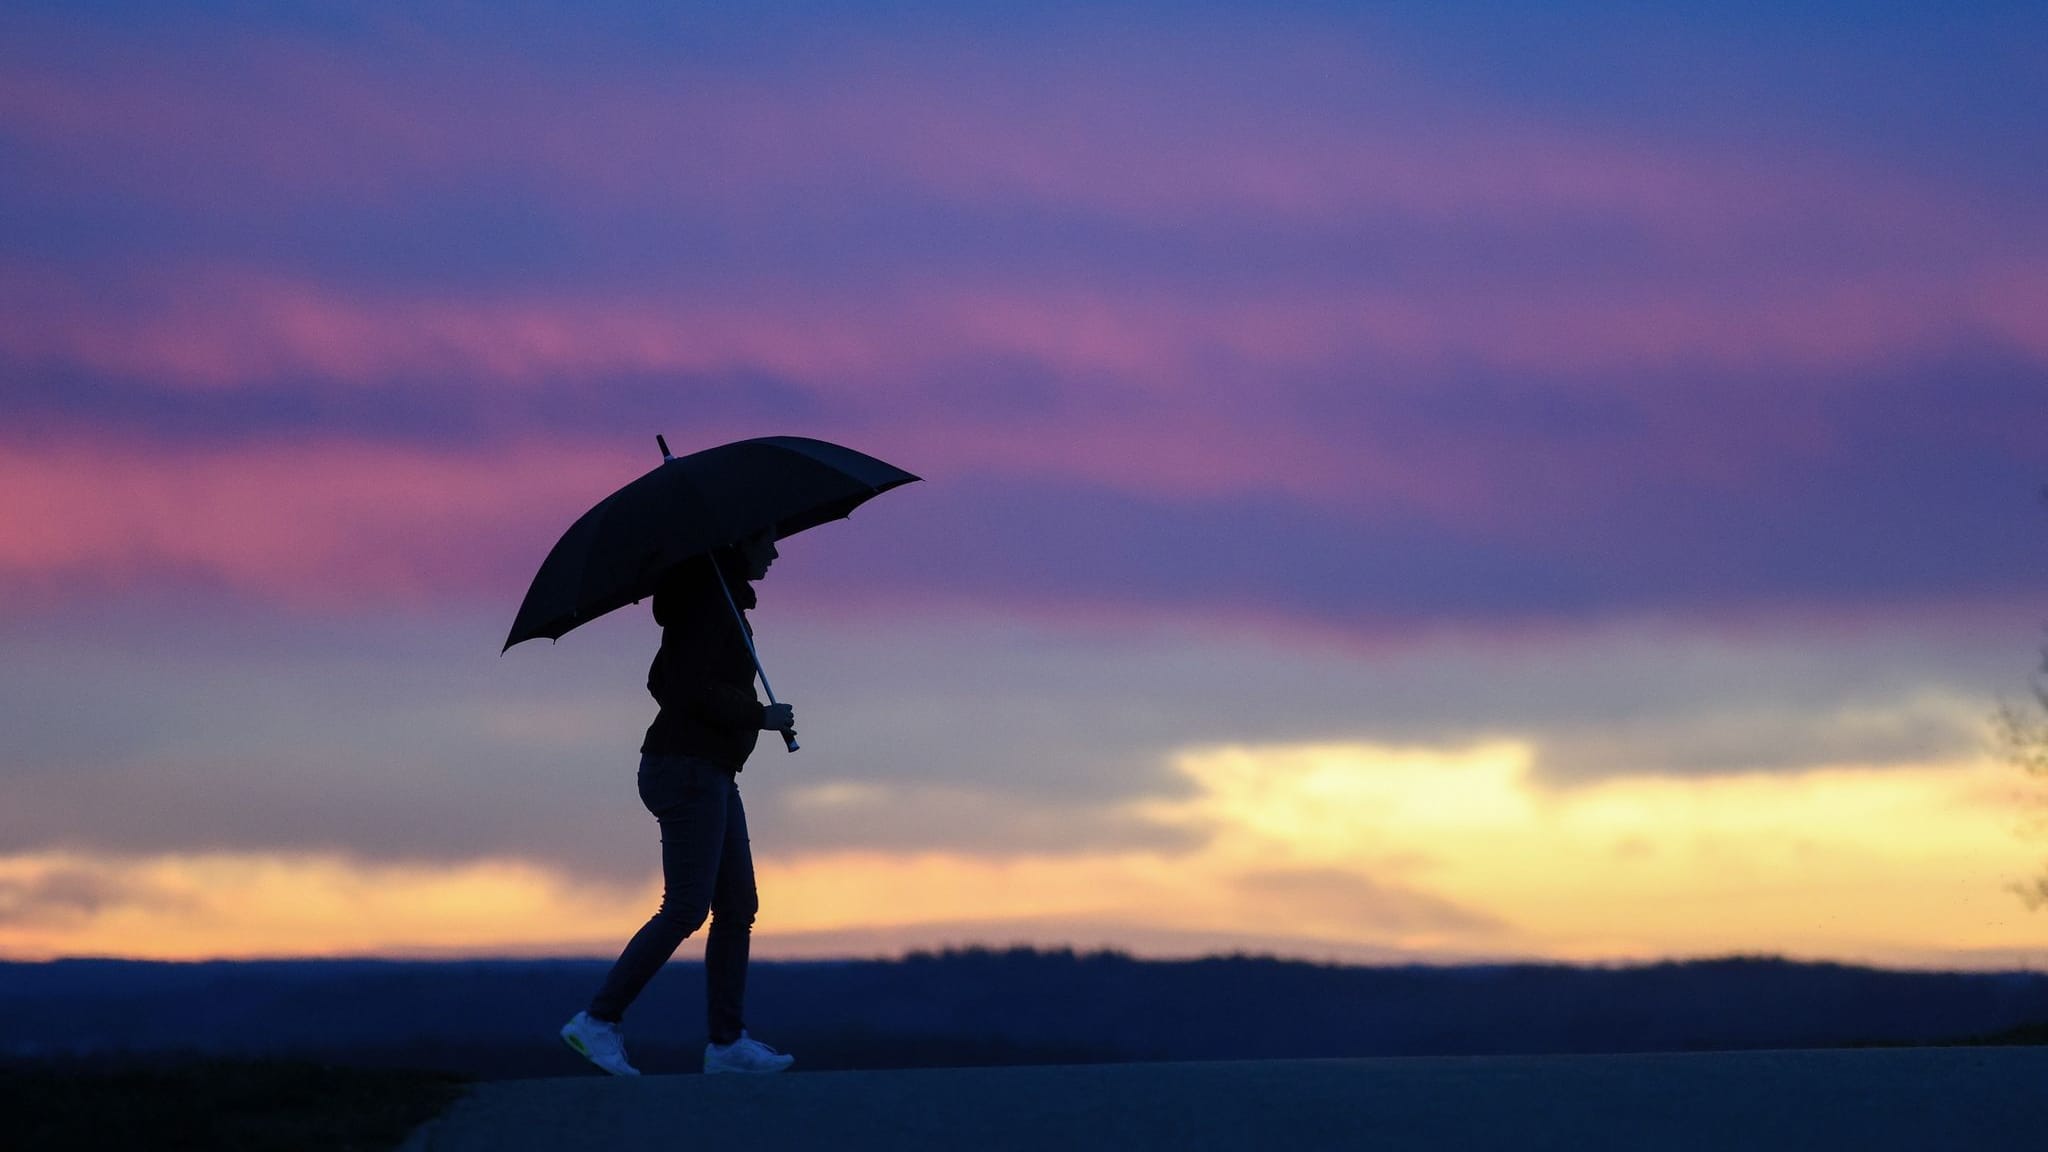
(703,676)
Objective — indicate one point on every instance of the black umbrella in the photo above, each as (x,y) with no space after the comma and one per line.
(614,554)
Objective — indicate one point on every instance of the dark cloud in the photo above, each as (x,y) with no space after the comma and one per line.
(980,817)
(1891,513)
(1759,736)
(425,412)
(70,893)
(393,747)
(392,744)
(1359,905)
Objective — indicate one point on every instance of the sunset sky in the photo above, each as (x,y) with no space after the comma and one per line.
(1401,482)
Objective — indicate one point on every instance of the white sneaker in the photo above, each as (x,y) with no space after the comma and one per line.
(599,1042)
(745,1054)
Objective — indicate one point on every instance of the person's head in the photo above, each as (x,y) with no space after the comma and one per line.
(758,552)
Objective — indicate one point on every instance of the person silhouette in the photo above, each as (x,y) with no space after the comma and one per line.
(708,722)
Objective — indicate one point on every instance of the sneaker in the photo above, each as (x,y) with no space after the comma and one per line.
(745,1054)
(599,1042)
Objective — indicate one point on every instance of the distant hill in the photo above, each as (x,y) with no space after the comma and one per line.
(497,1018)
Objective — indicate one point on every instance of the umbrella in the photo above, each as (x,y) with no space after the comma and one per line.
(614,554)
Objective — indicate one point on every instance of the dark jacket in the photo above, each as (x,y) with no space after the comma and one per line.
(703,677)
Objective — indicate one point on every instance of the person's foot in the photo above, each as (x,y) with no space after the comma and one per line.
(599,1042)
(745,1054)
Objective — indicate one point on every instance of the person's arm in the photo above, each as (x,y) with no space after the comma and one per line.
(697,620)
(678,682)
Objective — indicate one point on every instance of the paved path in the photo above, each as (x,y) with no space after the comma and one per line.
(1870,1100)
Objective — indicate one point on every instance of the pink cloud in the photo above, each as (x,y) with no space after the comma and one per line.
(1321,137)
(231,329)
(234,329)
(337,524)
(1757,262)
(1150,394)
(319,524)
(1085,129)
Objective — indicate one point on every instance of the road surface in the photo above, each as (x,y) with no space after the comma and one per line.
(1869,1100)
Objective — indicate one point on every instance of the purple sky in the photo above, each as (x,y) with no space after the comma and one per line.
(1427,353)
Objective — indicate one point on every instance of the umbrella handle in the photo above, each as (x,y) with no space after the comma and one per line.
(788,735)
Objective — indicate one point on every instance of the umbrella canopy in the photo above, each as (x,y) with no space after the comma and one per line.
(615,553)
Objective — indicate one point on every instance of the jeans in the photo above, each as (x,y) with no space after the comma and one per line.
(707,868)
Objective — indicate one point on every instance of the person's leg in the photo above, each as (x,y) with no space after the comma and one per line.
(688,798)
(734,902)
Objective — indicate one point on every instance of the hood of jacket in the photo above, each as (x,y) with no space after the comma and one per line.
(694,581)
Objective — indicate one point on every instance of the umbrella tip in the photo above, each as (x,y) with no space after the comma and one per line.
(661,442)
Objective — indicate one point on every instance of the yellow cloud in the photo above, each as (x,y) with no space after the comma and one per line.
(245,904)
(1325,848)
(1867,863)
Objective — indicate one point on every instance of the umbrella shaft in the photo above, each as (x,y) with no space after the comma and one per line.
(740,620)
(788,740)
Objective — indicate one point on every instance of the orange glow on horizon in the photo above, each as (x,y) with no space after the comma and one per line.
(1326,851)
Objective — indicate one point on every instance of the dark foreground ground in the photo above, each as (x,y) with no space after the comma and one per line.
(1872,1100)
(204,1104)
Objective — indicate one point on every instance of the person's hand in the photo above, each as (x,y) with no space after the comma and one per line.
(778,718)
